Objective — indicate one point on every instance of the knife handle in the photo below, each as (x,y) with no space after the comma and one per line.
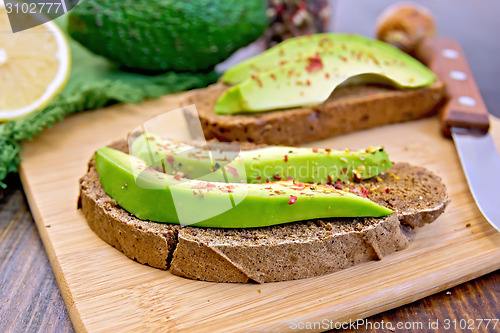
(465,107)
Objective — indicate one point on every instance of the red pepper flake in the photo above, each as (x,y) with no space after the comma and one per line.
(286,158)
(327,75)
(177,177)
(268,188)
(308,83)
(232,170)
(277,191)
(259,82)
(293,199)
(273,76)
(283,62)
(344,59)
(277,177)
(314,63)
(315,150)
(170,159)
(387,190)
(290,72)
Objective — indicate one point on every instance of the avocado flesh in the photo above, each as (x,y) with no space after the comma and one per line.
(305,71)
(155,196)
(268,164)
(290,50)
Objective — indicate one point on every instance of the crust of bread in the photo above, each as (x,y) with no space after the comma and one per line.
(278,253)
(348,109)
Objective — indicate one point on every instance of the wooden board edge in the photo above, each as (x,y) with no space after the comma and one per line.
(67,297)
(322,314)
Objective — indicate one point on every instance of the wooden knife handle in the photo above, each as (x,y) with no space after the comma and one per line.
(465,107)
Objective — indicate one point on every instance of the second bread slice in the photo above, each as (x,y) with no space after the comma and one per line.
(348,109)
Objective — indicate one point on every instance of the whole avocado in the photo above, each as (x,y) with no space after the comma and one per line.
(160,35)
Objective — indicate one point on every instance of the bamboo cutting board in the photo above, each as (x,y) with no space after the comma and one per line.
(105,291)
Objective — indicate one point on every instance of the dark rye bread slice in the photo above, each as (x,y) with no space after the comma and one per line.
(348,109)
(278,253)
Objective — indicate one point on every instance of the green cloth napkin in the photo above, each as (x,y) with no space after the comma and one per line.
(94,82)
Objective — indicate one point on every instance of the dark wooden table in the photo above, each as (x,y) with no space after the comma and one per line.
(29,297)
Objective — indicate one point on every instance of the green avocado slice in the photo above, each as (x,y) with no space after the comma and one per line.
(309,165)
(305,70)
(152,195)
(290,50)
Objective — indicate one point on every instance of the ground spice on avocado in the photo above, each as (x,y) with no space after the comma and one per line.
(314,63)
(259,82)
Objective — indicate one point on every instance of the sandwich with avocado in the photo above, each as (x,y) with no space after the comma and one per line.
(251,219)
(313,87)
(259,211)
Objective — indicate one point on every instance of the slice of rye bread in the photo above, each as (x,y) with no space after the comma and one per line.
(277,253)
(348,109)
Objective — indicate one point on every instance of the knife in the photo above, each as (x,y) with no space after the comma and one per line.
(464,117)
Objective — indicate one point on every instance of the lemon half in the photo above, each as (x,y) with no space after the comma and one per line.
(34,67)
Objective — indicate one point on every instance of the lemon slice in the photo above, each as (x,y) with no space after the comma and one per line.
(34,67)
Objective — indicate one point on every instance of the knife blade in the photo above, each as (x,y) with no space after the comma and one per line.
(464,117)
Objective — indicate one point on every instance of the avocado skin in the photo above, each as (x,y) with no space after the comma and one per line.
(161,35)
(149,197)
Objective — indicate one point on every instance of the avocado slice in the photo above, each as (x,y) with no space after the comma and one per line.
(290,50)
(305,71)
(309,165)
(152,195)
